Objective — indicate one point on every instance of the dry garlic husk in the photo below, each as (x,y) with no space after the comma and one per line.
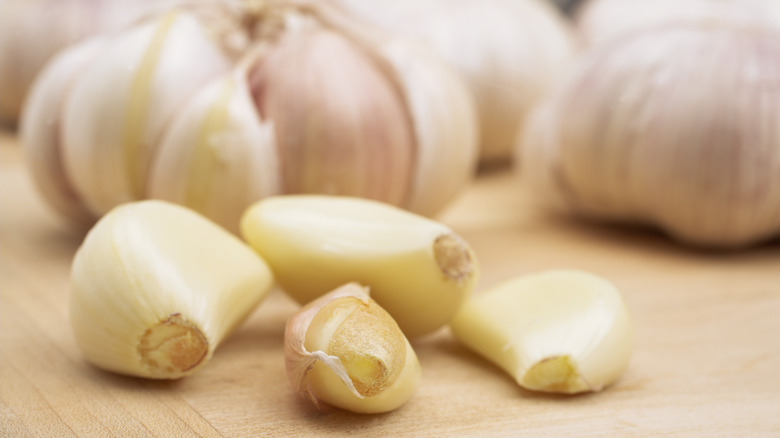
(155,288)
(672,127)
(418,270)
(111,110)
(344,350)
(599,21)
(562,331)
(33,31)
(322,106)
(511,52)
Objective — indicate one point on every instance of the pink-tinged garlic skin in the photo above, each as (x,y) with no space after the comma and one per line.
(677,127)
(341,127)
(41,128)
(510,53)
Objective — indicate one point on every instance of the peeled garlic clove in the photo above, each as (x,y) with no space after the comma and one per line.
(418,270)
(344,350)
(41,127)
(116,113)
(636,135)
(155,288)
(219,156)
(555,331)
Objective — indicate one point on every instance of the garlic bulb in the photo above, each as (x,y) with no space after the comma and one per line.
(344,350)
(602,20)
(673,127)
(418,269)
(227,105)
(561,331)
(32,31)
(155,288)
(510,52)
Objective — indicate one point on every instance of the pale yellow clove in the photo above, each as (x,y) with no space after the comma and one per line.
(557,331)
(418,269)
(155,288)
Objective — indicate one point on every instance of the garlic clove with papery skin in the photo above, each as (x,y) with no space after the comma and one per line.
(218,156)
(41,128)
(155,288)
(117,110)
(560,331)
(344,350)
(644,132)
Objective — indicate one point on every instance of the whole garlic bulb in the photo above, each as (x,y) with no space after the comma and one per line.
(509,51)
(32,31)
(674,127)
(288,97)
(601,20)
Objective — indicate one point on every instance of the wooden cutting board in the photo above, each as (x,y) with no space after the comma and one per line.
(707,358)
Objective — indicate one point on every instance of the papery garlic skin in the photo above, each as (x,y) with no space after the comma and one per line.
(599,21)
(673,127)
(218,156)
(510,52)
(117,111)
(33,31)
(41,129)
(155,288)
(561,331)
(343,350)
(418,270)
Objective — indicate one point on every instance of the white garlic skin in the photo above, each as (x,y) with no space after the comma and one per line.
(675,127)
(510,52)
(145,262)
(599,21)
(388,121)
(33,31)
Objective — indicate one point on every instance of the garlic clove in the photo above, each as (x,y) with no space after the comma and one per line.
(340,126)
(557,331)
(219,156)
(118,109)
(41,127)
(418,270)
(344,350)
(155,288)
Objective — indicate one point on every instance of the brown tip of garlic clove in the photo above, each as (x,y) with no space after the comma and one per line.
(172,347)
(454,256)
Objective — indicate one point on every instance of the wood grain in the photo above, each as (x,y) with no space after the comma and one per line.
(706,361)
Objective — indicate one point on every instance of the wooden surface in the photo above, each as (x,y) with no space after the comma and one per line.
(707,358)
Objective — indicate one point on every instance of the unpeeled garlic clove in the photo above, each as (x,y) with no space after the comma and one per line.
(555,331)
(641,132)
(418,270)
(344,350)
(116,112)
(155,288)
(41,128)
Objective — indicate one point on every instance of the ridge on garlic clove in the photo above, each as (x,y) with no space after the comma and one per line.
(672,127)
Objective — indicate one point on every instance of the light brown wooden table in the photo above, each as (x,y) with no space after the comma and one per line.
(707,358)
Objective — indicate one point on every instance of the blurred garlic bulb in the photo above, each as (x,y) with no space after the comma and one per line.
(94,117)
(675,127)
(221,110)
(601,20)
(509,51)
(32,31)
